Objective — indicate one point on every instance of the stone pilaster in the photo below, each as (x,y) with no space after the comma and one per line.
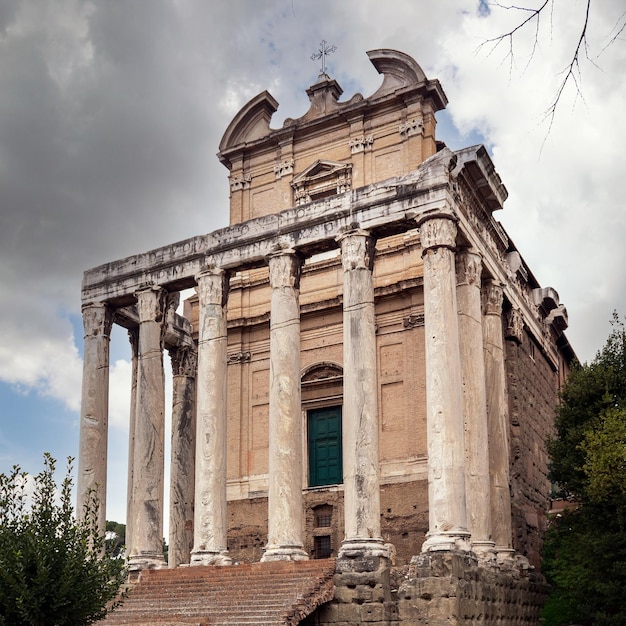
(469,267)
(284,541)
(210,522)
(94,411)
(146,549)
(361,473)
(497,418)
(444,400)
(183,455)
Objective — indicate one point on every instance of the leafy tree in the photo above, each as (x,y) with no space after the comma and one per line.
(585,550)
(53,568)
(115,542)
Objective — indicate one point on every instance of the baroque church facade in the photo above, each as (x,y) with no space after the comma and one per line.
(367,371)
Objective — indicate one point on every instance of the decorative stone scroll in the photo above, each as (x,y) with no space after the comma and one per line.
(413,321)
(239,357)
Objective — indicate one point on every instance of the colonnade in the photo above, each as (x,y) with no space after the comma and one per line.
(466,410)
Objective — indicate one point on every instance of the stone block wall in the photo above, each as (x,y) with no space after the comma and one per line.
(532,390)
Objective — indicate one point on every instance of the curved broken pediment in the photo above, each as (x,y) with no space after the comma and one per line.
(251,123)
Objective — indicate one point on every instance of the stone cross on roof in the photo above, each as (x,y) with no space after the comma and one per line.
(322,53)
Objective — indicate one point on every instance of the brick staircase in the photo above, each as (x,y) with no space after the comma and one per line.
(271,594)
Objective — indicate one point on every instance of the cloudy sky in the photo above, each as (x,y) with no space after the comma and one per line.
(111,114)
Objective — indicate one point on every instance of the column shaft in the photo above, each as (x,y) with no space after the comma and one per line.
(133,337)
(474,402)
(183,456)
(210,521)
(498,419)
(94,412)
(444,402)
(361,473)
(284,541)
(148,449)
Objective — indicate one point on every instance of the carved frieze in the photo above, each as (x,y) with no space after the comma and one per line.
(359,144)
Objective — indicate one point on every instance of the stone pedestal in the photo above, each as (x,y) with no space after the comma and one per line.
(210,521)
(498,420)
(444,401)
(284,541)
(469,267)
(361,474)
(146,549)
(183,455)
(94,411)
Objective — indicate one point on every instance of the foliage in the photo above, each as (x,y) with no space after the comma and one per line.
(115,542)
(53,568)
(585,550)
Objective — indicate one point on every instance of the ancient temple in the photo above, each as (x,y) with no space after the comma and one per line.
(367,372)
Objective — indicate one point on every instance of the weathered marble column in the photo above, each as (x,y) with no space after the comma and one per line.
(468,269)
(444,400)
(94,411)
(210,521)
(133,338)
(285,508)
(361,473)
(146,547)
(498,419)
(183,455)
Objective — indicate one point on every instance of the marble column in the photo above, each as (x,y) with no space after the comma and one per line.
(444,400)
(498,419)
(146,549)
(361,473)
(468,268)
(183,455)
(94,411)
(210,521)
(285,507)
(133,337)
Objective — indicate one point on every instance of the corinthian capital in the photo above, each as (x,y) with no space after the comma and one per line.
(492,298)
(468,268)
(438,231)
(358,248)
(151,303)
(97,319)
(212,286)
(285,267)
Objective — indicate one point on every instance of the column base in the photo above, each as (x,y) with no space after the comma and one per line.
(210,557)
(146,560)
(505,556)
(364,548)
(485,551)
(447,540)
(284,553)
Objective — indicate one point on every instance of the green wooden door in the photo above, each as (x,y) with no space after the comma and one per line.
(324,426)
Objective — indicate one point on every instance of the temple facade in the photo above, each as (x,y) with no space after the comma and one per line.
(368,369)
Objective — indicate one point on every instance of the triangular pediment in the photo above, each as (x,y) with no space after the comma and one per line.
(321,168)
